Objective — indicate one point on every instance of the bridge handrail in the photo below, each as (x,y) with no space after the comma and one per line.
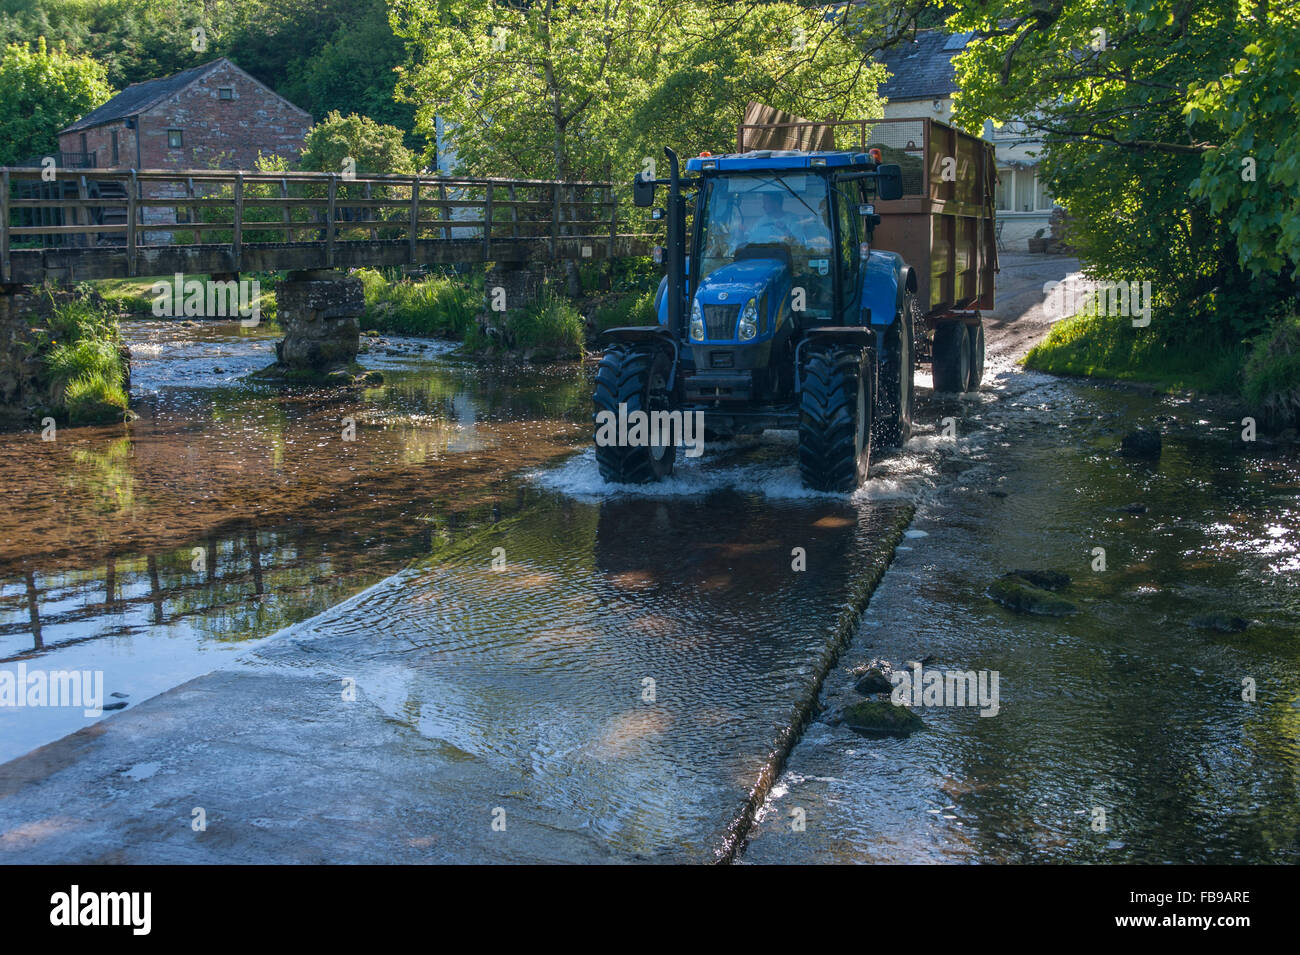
(137,212)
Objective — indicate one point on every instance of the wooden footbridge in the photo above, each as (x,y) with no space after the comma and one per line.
(86,224)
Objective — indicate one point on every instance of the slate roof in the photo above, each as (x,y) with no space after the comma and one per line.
(923,69)
(138,97)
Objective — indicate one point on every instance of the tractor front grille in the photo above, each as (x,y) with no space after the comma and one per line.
(720,321)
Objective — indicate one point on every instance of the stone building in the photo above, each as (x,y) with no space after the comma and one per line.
(209,116)
(213,116)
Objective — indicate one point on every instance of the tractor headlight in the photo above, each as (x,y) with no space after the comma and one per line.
(697,322)
(748,327)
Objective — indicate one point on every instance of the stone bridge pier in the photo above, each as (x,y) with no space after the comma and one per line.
(319,312)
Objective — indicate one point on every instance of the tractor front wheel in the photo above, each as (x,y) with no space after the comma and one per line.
(835,419)
(636,377)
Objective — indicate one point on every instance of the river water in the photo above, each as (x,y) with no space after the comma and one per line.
(620,670)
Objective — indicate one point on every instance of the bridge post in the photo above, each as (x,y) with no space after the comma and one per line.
(319,312)
(520,285)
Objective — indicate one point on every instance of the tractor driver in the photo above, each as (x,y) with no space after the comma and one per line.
(777,225)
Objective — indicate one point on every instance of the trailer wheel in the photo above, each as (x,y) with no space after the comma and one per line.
(975,337)
(951,362)
(835,419)
(896,390)
(635,376)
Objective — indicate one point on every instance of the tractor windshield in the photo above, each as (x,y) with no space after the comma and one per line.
(763,213)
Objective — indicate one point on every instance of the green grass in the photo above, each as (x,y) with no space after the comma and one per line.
(86,376)
(624,310)
(550,328)
(1272,373)
(433,307)
(1101,346)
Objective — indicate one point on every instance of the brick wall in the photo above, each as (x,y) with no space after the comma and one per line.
(99,140)
(216,133)
(221,133)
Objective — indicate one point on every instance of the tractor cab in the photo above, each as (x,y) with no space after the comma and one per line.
(778,241)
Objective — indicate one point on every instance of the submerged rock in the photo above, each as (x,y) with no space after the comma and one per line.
(1043,579)
(1141,443)
(1016,593)
(880,717)
(873,680)
(1221,622)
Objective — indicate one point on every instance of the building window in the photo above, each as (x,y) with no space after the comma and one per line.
(115,159)
(1020,190)
(174,140)
(225,92)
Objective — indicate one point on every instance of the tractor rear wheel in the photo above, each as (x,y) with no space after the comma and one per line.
(951,363)
(636,377)
(975,337)
(893,424)
(835,419)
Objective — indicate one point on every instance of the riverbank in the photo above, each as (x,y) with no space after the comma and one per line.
(1262,372)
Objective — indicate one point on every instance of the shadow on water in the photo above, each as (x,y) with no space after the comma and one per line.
(633,661)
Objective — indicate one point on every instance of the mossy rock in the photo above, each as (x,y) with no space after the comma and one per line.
(1017,594)
(881,718)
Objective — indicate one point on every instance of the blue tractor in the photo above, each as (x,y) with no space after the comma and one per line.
(775,313)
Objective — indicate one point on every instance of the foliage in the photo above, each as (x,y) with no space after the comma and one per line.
(624,310)
(85,371)
(44,90)
(1147,109)
(373,146)
(354,72)
(433,307)
(584,90)
(1272,372)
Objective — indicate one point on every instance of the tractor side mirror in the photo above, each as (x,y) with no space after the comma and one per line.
(643,192)
(889,182)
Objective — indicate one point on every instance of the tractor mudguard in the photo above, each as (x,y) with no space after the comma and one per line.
(885,281)
(643,335)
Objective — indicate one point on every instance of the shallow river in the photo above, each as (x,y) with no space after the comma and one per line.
(620,671)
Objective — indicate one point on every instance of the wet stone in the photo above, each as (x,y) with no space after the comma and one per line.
(873,680)
(1044,579)
(1141,443)
(1019,595)
(877,717)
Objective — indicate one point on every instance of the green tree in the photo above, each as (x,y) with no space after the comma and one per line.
(584,89)
(355,72)
(41,92)
(372,146)
(1148,110)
